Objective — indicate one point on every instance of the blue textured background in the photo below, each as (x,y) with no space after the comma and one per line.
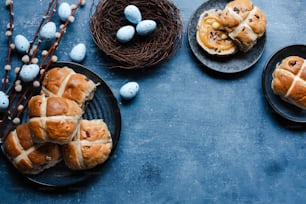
(190,136)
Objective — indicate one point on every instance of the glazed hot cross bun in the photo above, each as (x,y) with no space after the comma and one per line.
(244,22)
(289,81)
(64,82)
(211,36)
(29,157)
(53,119)
(91,146)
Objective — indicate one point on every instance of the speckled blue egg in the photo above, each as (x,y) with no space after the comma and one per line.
(64,11)
(145,27)
(48,31)
(78,52)
(125,34)
(129,90)
(21,43)
(4,101)
(29,72)
(132,14)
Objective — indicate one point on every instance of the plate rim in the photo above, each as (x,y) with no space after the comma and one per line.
(264,87)
(190,43)
(117,133)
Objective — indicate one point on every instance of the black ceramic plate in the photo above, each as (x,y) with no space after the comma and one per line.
(103,106)
(284,109)
(232,64)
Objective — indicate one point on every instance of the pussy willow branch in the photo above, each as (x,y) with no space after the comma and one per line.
(13,95)
(9,34)
(48,59)
(36,34)
(42,22)
(49,12)
(11,92)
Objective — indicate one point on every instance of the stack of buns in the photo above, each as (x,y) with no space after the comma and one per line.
(56,130)
(289,81)
(240,24)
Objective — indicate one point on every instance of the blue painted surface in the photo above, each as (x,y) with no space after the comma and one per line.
(190,136)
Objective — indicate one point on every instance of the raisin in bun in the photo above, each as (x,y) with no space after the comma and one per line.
(91,146)
(211,36)
(244,22)
(29,157)
(64,82)
(289,81)
(53,119)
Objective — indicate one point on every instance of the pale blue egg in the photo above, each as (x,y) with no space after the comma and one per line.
(125,33)
(132,14)
(48,31)
(145,27)
(22,44)
(78,52)
(129,90)
(29,72)
(64,11)
(4,101)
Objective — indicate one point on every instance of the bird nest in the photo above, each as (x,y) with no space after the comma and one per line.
(142,51)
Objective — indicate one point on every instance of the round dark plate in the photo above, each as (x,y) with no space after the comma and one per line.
(231,64)
(103,106)
(284,109)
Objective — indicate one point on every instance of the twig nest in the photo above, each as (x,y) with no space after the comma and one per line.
(64,11)
(132,14)
(29,72)
(141,52)
(78,52)
(129,90)
(48,31)
(145,27)
(125,34)
(4,101)
(21,43)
